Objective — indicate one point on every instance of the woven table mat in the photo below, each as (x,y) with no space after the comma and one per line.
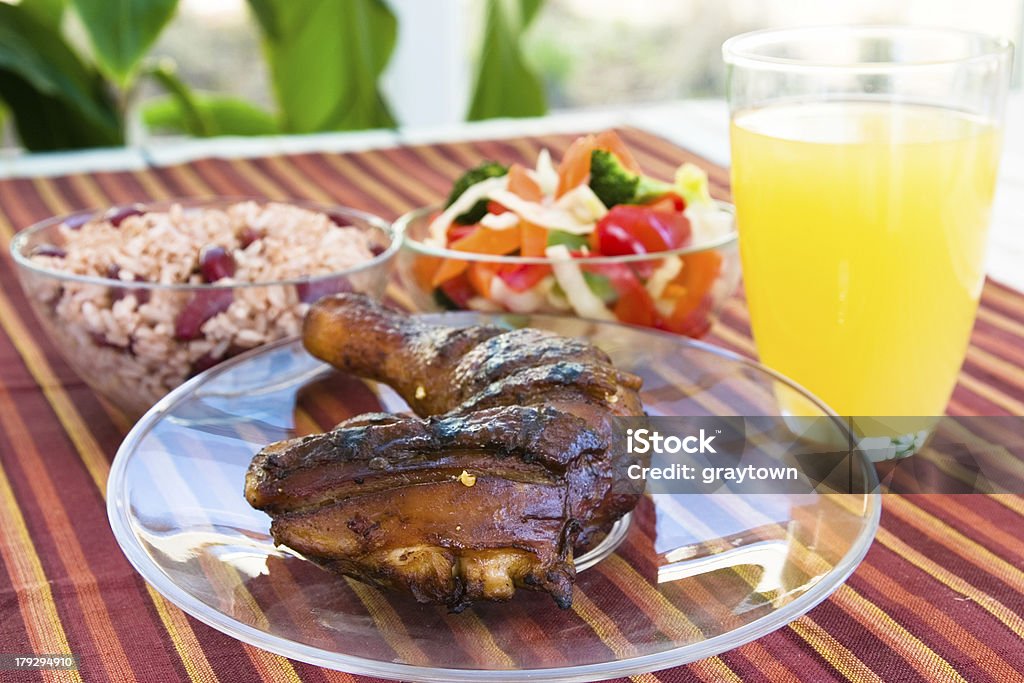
(939,596)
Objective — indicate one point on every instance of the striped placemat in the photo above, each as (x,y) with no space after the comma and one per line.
(939,596)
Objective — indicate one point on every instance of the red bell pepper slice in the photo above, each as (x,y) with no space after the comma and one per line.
(520,277)
(456,231)
(458,291)
(670,201)
(694,322)
(495,208)
(636,229)
(634,305)
(691,313)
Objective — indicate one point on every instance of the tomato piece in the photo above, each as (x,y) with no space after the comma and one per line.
(636,307)
(619,274)
(495,208)
(634,304)
(522,276)
(456,292)
(456,232)
(666,227)
(695,322)
(670,201)
(612,239)
(634,229)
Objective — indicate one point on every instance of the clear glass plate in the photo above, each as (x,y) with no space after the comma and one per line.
(693,576)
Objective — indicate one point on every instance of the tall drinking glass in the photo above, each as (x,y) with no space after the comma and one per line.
(863,168)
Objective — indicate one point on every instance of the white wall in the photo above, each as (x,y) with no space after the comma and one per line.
(428,79)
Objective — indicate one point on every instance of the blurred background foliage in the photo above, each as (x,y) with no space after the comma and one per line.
(80,73)
(73,71)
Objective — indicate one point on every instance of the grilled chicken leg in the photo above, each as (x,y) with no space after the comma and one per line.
(505,471)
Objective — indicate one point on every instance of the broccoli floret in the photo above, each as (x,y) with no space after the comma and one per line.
(444,301)
(649,189)
(488,169)
(610,180)
(614,184)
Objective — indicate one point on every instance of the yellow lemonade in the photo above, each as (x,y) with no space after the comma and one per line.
(862,234)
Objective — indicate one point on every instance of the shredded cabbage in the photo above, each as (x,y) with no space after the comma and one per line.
(479,303)
(708,222)
(500,221)
(576,212)
(529,301)
(473,194)
(539,214)
(582,203)
(584,302)
(666,271)
(545,174)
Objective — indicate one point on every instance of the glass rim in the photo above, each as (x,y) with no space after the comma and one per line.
(370,222)
(743,49)
(421,247)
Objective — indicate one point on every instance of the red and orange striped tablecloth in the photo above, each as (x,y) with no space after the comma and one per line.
(940,595)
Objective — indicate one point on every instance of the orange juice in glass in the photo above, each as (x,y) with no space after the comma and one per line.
(864,163)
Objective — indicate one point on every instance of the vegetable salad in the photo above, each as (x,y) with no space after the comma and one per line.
(596,203)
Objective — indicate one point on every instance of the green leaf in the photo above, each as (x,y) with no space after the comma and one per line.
(45,85)
(505,84)
(601,286)
(326,58)
(529,9)
(122,31)
(46,123)
(220,116)
(571,241)
(265,15)
(192,119)
(49,12)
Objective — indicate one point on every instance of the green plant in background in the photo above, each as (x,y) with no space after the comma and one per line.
(121,32)
(202,114)
(57,99)
(505,84)
(325,59)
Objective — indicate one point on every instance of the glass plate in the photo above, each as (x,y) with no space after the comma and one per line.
(693,576)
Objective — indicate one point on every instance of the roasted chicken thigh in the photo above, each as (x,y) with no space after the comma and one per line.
(505,470)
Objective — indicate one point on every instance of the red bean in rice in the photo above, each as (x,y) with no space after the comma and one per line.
(143,341)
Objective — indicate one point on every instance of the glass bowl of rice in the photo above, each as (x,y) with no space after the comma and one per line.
(139,298)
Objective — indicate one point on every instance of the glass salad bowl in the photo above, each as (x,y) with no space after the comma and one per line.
(133,339)
(679,290)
